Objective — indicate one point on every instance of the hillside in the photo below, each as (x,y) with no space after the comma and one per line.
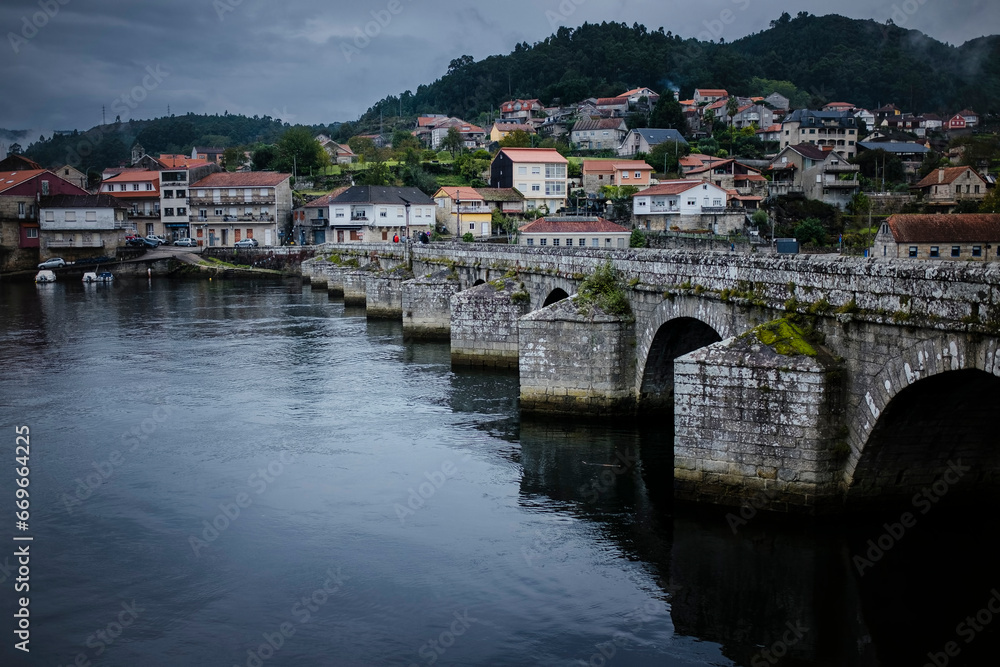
(112,143)
(831,58)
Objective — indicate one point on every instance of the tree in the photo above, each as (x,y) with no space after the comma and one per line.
(666,155)
(516,139)
(991,203)
(297,149)
(637,240)
(811,231)
(364,148)
(232,158)
(264,157)
(377,174)
(453,142)
(668,114)
(403,142)
(732,108)
(506,225)
(620,197)
(14,149)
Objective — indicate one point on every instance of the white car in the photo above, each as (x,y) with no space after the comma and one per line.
(158,240)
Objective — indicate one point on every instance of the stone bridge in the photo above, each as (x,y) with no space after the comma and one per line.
(794,383)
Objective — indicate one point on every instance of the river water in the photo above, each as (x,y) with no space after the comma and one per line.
(237,473)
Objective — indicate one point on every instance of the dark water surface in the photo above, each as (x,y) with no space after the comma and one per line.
(372,506)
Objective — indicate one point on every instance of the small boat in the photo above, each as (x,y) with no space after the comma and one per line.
(105,277)
(90,277)
(45,276)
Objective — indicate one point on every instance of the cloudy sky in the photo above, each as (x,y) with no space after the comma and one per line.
(310,61)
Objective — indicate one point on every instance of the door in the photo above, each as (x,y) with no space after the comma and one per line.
(236,235)
(268,241)
(486,229)
(319,236)
(225,237)
(340,236)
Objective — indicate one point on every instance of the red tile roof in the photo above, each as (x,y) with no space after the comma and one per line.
(712,92)
(961,228)
(949,174)
(181,162)
(248,179)
(611,101)
(671,188)
(569,225)
(534,155)
(462,193)
(14,178)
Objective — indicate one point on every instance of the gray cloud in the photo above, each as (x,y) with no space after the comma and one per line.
(314,61)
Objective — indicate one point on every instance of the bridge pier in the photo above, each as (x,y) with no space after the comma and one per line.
(335,280)
(573,363)
(427,306)
(758,423)
(384,293)
(356,285)
(484,324)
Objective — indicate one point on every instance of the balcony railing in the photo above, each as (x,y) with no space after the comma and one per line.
(664,209)
(229,201)
(73,243)
(234,218)
(841,168)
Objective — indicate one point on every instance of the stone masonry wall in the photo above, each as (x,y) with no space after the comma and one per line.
(426,304)
(573,363)
(753,423)
(484,325)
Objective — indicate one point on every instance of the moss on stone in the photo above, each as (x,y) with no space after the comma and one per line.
(785,337)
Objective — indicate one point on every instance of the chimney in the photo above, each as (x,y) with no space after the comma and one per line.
(940,175)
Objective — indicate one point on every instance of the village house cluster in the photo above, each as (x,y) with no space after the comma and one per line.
(48,212)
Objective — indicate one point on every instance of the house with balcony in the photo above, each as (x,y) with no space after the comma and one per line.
(464,210)
(731,174)
(539,174)
(595,134)
(598,173)
(966,237)
(310,223)
(806,170)
(177,173)
(79,226)
(20,228)
(943,189)
(501,129)
(378,213)
(645,139)
(756,114)
(228,207)
(686,206)
(573,232)
(832,130)
(139,192)
(521,110)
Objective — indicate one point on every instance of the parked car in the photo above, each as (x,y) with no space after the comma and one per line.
(143,242)
(54,263)
(136,242)
(187,242)
(246,243)
(158,240)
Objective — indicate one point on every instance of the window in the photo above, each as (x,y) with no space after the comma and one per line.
(91,216)
(555,242)
(569,242)
(203,213)
(535,170)
(543,242)
(181,194)
(977,189)
(201,193)
(638,174)
(535,187)
(913,251)
(595,243)
(167,194)
(339,213)
(232,192)
(472,226)
(383,213)
(20,209)
(717,203)
(168,211)
(607,243)
(625,175)
(182,211)
(50,216)
(522,171)
(531,241)
(31,232)
(70,216)
(977,251)
(218,211)
(583,243)
(956,251)
(621,243)
(135,187)
(935,251)
(45,188)
(149,187)
(692,202)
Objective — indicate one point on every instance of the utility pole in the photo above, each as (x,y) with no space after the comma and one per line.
(103,119)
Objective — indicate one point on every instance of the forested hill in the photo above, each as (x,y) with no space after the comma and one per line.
(110,144)
(831,58)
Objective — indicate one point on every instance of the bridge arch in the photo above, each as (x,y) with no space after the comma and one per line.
(674,328)
(556,295)
(929,407)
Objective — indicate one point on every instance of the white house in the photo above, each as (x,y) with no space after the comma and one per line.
(97,222)
(540,174)
(685,205)
(379,213)
(574,232)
